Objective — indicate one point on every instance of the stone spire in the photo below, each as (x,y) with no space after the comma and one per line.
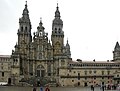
(117,47)
(116,52)
(57,12)
(68,52)
(25,12)
(57,21)
(67,44)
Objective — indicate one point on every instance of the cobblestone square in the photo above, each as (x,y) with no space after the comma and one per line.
(52,89)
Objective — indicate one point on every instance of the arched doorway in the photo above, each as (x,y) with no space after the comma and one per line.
(85,84)
(118,82)
(40,73)
(9,81)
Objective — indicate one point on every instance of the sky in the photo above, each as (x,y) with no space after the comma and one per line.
(92,27)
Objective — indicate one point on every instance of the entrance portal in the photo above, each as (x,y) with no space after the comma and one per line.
(9,81)
(85,84)
(78,83)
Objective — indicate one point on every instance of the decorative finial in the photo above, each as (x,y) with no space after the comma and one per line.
(26,2)
(40,19)
(67,40)
(57,5)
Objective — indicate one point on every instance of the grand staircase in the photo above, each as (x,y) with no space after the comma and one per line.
(37,81)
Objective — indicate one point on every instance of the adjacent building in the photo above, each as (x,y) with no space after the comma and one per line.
(5,68)
(87,73)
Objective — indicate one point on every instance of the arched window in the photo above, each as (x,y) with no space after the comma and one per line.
(55,28)
(55,31)
(22,29)
(49,69)
(25,28)
(40,71)
(59,29)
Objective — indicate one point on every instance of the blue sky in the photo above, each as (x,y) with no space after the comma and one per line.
(91,26)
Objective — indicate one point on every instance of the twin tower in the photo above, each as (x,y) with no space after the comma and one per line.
(37,45)
(37,56)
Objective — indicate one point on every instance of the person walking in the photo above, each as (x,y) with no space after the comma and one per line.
(47,88)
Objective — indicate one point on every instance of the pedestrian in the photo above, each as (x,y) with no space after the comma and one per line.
(91,87)
(47,88)
(34,89)
(103,87)
(41,88)
(118,87)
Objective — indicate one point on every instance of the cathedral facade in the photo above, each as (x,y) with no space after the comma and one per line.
(36,60)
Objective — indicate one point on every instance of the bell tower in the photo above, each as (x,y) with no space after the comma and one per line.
(57,36)
(24,31)
(24,40)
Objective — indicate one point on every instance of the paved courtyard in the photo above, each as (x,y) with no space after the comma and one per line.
(52,89)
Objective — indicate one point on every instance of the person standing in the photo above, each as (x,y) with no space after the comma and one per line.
(103,88)
(41,88)
(34,89)
(92,87)
(47,88)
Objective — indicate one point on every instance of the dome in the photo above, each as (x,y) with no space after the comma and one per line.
(57,21)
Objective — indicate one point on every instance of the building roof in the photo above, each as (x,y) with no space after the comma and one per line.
(92,62)
(4,56)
